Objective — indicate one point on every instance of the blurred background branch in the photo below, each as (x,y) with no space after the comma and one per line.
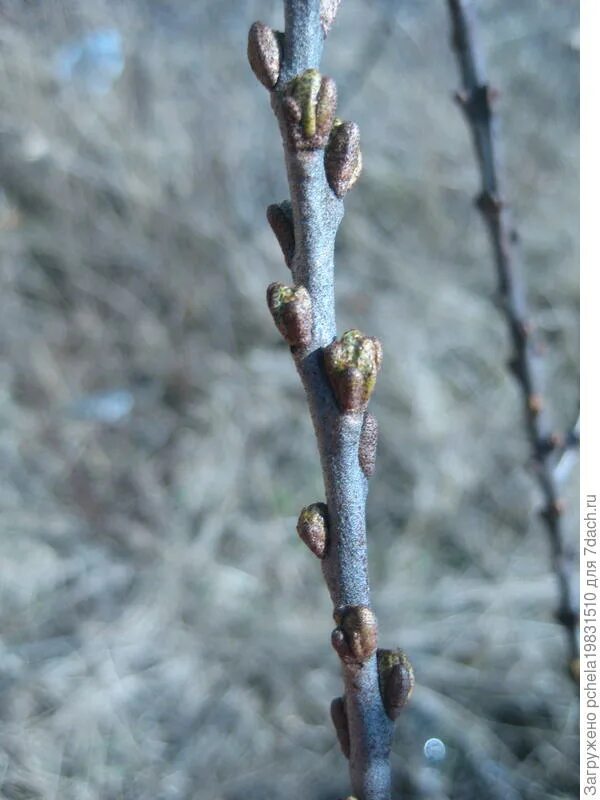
(477,100)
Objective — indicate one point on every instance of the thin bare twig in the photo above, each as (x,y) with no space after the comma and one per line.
(323,160)
(477,99)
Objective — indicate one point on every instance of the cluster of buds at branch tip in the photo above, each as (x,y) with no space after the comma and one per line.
(291,309)
(343,159)
(367,446)
(355,638)
(312,528)
(265,48)
(328,11)
(309,103)
(340,723)
(279,217)
(352,364)
(396,680)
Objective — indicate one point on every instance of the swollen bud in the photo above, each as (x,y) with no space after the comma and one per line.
(343,159)
(264,53)
(312,528)
(309,104)
(352,364)
(367,446)
(396,680)
(340,723)
(292,312)
(279,216)
(355,638)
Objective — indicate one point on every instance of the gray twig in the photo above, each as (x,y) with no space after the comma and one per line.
(323,161)
(477,99)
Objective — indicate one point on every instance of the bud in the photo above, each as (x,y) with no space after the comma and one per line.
(352,364)
(355,637)
(312,528)
(340,723)
(367,447)
(264,53)
(343,159)
(309,104)
(292,312)
(396,680)
(281,221)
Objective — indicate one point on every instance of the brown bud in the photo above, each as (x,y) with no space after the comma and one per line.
(343,159)
(312,528)
(292,312)
(328,11)
(340,723)
(264,53)
(352,364)
(396,680)
(535,403)
(367,448)
(279,216)
(309,103)
(355,637)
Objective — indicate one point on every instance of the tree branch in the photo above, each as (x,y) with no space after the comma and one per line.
(477,99)
(322,156)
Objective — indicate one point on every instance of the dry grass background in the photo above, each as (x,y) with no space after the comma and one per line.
(164,632)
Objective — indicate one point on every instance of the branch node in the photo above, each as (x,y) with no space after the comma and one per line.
(535,404)
(489,204)
(355,638)
(553,511)
(352,364)
(309,104)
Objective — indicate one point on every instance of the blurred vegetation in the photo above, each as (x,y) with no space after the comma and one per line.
(165,635)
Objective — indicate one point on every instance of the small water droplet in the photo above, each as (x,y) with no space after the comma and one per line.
(434,750)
